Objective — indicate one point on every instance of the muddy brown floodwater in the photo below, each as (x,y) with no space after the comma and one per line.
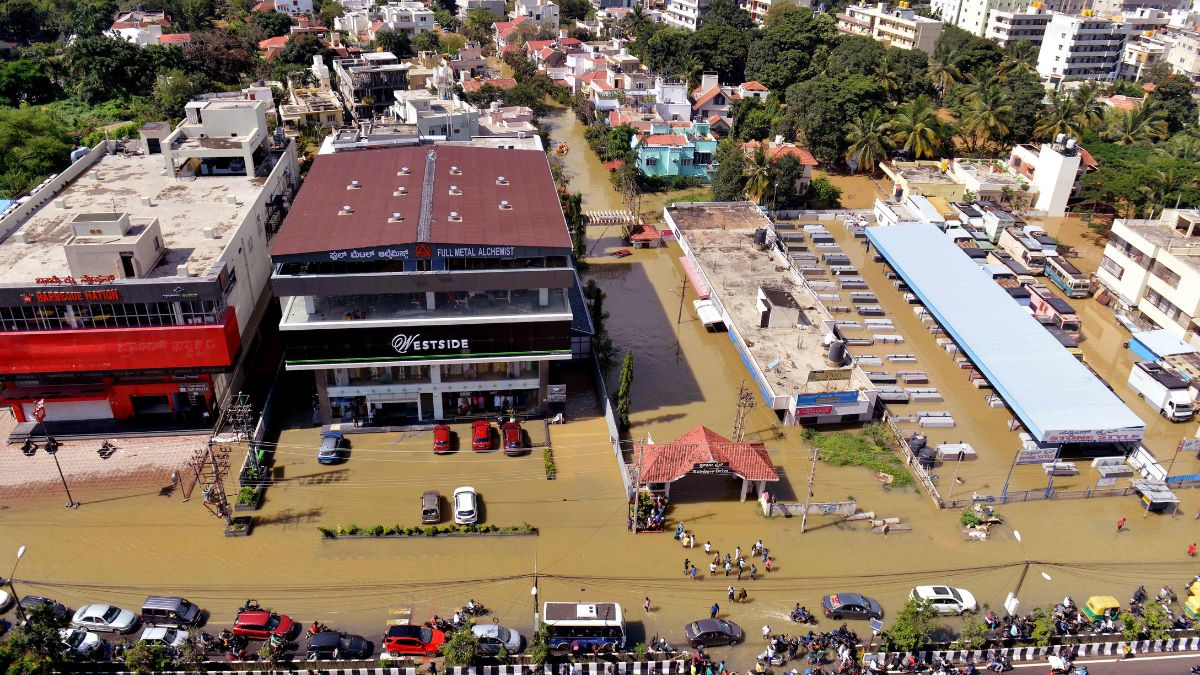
(123,544)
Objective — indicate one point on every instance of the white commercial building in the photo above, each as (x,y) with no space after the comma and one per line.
(901,28)
(974,16)
(1153,267)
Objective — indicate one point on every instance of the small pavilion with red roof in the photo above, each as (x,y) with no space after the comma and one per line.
(703,451)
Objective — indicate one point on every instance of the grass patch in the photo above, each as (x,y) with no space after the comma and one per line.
(870,448)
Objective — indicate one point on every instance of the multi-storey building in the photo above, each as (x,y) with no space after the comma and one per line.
(687,14)
(496,7)
(436,118)
(367,84)
(1141,52)
(901,28)
(1081,47)
(425,283)
(1006,27)
(132,285)
(1184,55)
(758,8)
(541,12)
(1117,7)
(669,151)
(1153,267)
(974,16)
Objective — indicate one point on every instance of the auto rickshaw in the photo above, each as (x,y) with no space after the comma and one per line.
(1194,587)
(1098,607)
(1191,607)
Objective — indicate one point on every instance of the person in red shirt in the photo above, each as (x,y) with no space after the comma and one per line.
(1120,524)
(1192,551)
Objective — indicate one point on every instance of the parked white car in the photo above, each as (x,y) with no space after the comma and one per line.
(493,636)
(167,637)
(5,601)
(105,618)
(466,506)
(945,599)
(79,641)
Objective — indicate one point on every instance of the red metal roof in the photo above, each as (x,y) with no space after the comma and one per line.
(534,219)
(668,462)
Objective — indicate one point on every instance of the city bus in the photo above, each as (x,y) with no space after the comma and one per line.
(1052,310)
(585,626)
(1066,276)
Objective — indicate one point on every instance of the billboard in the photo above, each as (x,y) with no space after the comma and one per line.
(813,410)
(1127,435)
(1037,455)
(827,398)
(829,375)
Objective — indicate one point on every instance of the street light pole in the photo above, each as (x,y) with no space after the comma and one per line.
(20,609)
(52,450)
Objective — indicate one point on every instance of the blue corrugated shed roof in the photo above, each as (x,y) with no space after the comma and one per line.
(1053,394)
(1162,343)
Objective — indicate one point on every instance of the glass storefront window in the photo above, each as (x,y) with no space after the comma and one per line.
(504,370)
(350,377)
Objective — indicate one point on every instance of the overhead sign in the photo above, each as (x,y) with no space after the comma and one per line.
(1094,436)
(811,410)
(827,398)
(82,279)
(556,393)
(829,375)
(424,251)
(1037,456)
(712,469)
(105,295)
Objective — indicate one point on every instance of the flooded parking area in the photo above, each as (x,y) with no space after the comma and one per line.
(126,543)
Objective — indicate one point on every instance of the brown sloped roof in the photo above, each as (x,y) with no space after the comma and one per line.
(668,462)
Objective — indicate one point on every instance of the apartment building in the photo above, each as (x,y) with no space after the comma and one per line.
(436,118)
(409,18)
(1184,55)
(426,283)
(758,8)
(1141,52)
(901,28)
(1006,27)
(496,7)
(367,83)
(1117,7)
(1152,267)
(132,285)
(975,15)
(687,14)
(1082,47)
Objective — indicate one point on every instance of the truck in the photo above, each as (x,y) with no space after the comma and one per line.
(1163,390)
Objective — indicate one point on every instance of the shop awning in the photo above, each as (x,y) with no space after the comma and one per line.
(693,275)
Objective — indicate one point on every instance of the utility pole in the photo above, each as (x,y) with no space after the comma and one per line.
(211,466)
(241,416)
(745,402)
(682,294)
(812,475)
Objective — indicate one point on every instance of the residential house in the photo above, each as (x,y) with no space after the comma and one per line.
(773,150)
(505,30)
(294,7)
(436,117)
(496,7)
(367,84)
(139,27)
(541,12)
(758,8)
(688,14)
(670,151)
(507,121)
(712,102)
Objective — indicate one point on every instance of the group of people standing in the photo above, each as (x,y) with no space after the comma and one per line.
(732,562)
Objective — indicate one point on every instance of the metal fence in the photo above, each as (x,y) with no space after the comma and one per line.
(614,434)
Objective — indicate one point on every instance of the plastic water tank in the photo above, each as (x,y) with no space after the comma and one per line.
(837,351)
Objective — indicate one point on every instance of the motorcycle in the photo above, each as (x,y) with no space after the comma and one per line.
(474,609)
(803,617)
(660,645)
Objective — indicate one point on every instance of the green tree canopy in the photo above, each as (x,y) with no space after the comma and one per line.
(272,24)
(396,43)
(824,107)
(793,46)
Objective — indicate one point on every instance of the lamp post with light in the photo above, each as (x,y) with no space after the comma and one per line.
(20,610)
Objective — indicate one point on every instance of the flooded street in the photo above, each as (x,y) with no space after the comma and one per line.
(122,545)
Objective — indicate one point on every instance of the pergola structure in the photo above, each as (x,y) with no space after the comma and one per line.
(702,451)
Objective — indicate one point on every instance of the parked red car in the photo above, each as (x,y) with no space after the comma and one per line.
(261,624)
(514,442)
(481,435)
(418,640)
(442,442)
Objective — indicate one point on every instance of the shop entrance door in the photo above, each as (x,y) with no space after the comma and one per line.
(150,405)
(395,412)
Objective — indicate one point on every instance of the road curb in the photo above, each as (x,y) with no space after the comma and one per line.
(1083,649)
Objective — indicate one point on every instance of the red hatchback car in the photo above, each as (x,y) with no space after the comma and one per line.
(514,443)
(442,442)
(416,640)
(481,435)
(260,625)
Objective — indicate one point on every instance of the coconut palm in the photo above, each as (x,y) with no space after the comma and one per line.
(977,83)
(1145,125)
(888,77)
(1166,184)
(1065,116)
(1018,56)
(989,116)
(757,172)
(943,73)
(870,140)
(1091,109)
(1185,146)
(917,128)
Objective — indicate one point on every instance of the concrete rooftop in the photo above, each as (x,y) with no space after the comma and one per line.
(117,183)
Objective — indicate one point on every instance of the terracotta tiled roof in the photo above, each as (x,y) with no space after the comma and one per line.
(1088,161)
(175,39)
(614,164)
(503,28)
(665,139)
(754,85)
(273,43)
(667,462)
(774,151)
(265,6)
(706,96)
(499,82)
(537,45)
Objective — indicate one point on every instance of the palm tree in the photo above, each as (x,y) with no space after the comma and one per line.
(1165,184)
(1091,109)
(977,83)
(917,128)
(1018,56)
(1065,116)
(1145,125)
(758,176)
(1185,146)
(887,76)
(943,73)
(633,21)
(989,116)
(870,140)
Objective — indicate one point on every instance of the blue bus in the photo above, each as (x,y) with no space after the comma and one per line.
(585,626)
(1066,276)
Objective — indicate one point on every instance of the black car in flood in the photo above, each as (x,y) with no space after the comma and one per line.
(331,644)
(713,633)
(30,603)
(850,606)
